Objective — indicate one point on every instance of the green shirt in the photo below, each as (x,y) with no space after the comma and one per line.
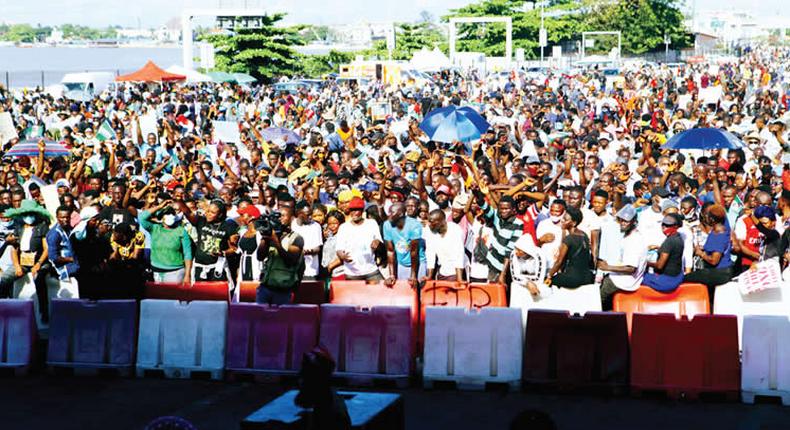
(169,246)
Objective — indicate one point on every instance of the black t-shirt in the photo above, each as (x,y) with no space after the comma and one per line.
(40,231)
(212,239)
(673,245)
(117,216)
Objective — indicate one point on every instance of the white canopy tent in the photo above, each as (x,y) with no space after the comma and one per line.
(426,60)
(193,76)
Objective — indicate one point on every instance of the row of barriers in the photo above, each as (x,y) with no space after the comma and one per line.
(471,338)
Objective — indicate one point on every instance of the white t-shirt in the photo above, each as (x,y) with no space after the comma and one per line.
(550,249)
(313,238)
(448,249)
(355,240)
(633,252)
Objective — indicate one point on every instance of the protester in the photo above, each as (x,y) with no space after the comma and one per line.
(574,259)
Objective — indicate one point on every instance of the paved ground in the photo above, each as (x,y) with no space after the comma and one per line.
(80,403)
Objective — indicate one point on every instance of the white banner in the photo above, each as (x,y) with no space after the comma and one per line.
(767,275)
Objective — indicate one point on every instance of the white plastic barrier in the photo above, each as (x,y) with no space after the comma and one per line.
(25,289)
(729,301)
(180,338)
(586,298)
(473,348)
(766,358)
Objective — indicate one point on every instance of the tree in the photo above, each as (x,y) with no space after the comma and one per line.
(408,39)
(642,23)
(265,52)
(315,66)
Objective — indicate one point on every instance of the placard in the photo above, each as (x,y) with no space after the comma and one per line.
(766,275)
(7,130)
(226,131)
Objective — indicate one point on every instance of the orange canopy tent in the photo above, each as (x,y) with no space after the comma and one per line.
(150,73)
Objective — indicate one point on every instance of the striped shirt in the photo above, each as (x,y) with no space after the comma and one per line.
(503,241)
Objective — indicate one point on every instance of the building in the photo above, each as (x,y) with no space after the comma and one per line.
(55,37)
(705,43)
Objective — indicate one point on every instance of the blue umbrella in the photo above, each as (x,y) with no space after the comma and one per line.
(281,134)
(703,138)
(452,124)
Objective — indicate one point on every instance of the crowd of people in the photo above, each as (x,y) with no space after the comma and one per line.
(569,186)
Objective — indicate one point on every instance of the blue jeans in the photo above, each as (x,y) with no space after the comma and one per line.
(270,297)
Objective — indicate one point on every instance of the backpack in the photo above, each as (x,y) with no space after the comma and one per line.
(279,275)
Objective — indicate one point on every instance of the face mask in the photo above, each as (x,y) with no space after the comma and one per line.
(169,220)
(443,205)
(29,219)
(556,218)
(7,224)
(669,231)
(646,196)
(411,176)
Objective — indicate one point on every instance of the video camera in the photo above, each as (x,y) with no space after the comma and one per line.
(268,223)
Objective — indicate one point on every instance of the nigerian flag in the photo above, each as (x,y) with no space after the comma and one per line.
(105,131)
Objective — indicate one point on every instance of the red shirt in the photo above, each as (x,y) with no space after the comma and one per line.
(753,241)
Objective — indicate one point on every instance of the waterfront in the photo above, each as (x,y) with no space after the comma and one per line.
(24,67)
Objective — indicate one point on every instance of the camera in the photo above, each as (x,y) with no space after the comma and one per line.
(268,223)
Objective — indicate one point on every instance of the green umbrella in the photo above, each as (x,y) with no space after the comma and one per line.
(221,77)
(28,207)
(244,78)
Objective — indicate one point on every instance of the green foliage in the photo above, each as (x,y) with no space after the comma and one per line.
(23,33)
(408,39)
(265,52)
(79,32)
(642,23)
(315,66)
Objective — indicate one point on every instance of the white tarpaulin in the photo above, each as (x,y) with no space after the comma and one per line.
(430,60)
(192,75)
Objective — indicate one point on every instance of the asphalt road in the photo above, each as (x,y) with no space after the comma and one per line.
(80,403)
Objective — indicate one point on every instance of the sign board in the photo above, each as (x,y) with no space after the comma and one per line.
(390,38)
(589,43)
(226,131)
(380,110)
(710,95)
(556,51)
(207,56)
(543,38)
(7,130)
(767,275)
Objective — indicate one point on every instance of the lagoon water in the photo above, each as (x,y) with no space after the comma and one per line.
(23,67)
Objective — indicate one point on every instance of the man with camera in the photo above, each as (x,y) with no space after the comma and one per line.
(282,252)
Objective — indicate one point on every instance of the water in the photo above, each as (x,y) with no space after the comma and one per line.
(23,67)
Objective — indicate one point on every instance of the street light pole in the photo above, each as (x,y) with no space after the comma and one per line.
(542,31)
(667,40)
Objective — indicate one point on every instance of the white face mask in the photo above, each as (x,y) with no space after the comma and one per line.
(29,219)
(169,220)
(556,218)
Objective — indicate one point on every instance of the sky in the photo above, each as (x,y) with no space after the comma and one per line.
(151,13)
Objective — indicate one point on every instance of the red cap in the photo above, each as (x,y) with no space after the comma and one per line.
(356,203)
(251,211)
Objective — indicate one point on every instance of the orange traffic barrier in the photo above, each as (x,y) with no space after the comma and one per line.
(687,300)
(213,290)
(685,358)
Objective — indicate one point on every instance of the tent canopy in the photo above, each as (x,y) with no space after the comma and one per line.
(244,78)
(191,75)
(221,77)
(150,73)
(430,60)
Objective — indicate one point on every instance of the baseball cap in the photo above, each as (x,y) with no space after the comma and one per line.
(660,191)
(356,203)
(251,211)
(626,213)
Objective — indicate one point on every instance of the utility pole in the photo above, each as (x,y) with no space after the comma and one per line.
(542,34)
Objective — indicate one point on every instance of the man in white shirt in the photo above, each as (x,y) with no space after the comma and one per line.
(357,241)
(626,273)
(549,231)
(444,242)
(313,237)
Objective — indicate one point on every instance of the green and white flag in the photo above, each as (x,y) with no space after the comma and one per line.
(105,132)
(34,132)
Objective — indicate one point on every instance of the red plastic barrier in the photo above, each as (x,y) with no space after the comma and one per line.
(571,352)
(17,333)
(269,339)
(682,357)
(91,334)
(687,300)
(376,342)
(308,292)
(214,290)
